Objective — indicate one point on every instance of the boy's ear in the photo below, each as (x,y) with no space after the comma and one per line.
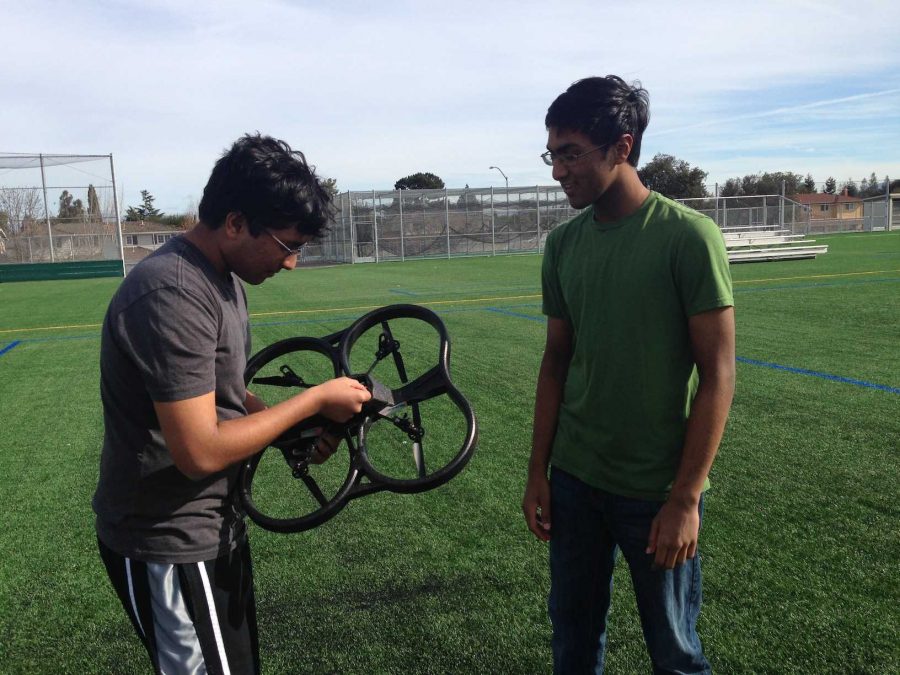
(623,148)
(235,222)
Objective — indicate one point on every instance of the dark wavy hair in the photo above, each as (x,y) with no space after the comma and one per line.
(603,108)
(270,184)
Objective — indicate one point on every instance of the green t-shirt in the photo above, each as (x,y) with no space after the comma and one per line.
(627,289)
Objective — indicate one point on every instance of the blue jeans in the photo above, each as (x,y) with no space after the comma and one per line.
(589,526)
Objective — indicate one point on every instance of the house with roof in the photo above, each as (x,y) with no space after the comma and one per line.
(141,237)
(825,206)
(148,235)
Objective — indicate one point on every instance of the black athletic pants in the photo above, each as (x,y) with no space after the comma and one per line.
(191,617)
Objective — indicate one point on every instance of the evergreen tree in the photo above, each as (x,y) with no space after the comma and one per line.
(150,211)
(830,185)
(809,185)
(93,201)
(146,211)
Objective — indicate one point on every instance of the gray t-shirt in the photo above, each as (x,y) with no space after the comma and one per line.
(175,329)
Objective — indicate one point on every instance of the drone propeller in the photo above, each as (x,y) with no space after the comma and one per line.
(385,442)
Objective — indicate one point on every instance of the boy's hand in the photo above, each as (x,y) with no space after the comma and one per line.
(324,447)
(341,398)
(536,506)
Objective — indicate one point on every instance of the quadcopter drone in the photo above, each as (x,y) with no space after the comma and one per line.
(388,447)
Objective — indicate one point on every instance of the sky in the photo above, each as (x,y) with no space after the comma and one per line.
(374,91)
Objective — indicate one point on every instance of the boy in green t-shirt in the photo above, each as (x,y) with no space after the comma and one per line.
(634,386)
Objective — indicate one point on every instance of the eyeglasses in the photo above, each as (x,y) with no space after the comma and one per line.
(566,158)
(288,249)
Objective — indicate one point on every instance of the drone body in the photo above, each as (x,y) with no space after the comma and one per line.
(385,441)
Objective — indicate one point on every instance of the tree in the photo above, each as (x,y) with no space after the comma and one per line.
(146,211)
(850,187)
(93,201)
(69,207)
(673,177)
(872,187)
(809,185)
(771,183)
(330,184)
(766,184)
(731,188)
(419,181)
(830,185)
(467,200)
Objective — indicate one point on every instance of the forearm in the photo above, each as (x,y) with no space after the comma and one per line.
(705,427)
(548,397)
(208,444)
(201,444)
(241,437)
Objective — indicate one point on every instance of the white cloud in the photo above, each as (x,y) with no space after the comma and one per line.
(374,92)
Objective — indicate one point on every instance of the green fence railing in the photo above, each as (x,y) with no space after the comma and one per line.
(85,269)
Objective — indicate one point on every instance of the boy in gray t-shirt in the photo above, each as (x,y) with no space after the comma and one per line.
(179,420)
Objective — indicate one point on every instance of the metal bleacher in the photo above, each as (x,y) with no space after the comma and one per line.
(749,244)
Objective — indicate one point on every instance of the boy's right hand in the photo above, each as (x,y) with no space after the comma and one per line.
(341,398)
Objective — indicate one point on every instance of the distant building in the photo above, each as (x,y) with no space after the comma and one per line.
(141,237)
(824,206)
(148,235)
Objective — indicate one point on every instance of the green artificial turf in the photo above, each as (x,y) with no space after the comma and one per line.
(800,542)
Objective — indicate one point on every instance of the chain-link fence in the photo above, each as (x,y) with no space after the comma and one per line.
(374,226)
(58,208)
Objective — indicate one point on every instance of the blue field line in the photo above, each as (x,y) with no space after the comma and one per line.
(823,283)
(824,376)
(752,362)
(398,291)
(63,337)
(530,317)
(11,345)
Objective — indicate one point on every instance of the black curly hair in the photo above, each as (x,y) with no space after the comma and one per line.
(603,108)
(270,184)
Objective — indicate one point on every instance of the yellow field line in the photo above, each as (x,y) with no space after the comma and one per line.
(297,311)
(24,330)
(815,276)
(357,308)
(364,307)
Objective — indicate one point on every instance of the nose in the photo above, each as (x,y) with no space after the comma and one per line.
(560,171)
(289,262)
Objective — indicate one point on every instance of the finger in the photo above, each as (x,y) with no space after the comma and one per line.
(692,550)
(671,557)
(528,512)
(545,514)
(532,519)
(316,456)
(652,538)
(681,556)
(328,443)
(541,527)
(659,560)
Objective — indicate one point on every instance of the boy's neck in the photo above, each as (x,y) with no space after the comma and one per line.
(207,241)
(624,197)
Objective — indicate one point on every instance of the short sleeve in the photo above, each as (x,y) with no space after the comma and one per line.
(702,269)
(171,336)
(553,303)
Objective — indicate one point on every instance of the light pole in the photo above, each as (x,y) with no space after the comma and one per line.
(507,186)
